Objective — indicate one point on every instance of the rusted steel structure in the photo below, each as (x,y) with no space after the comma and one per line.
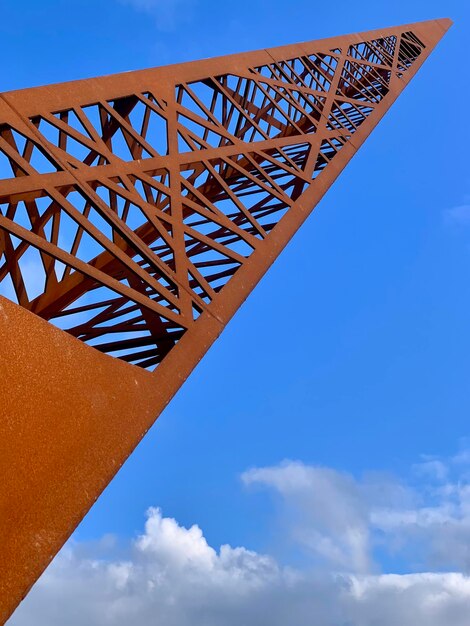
(137,212)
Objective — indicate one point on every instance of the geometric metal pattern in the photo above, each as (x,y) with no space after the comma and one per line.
(137,212)
(129,212)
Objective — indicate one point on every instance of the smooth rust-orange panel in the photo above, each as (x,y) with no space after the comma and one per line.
(71,413)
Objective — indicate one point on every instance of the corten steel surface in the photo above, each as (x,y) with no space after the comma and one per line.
(137,212)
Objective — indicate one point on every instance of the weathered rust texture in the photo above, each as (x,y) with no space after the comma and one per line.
(137,212)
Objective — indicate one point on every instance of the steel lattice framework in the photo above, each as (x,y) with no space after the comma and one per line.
(137,212)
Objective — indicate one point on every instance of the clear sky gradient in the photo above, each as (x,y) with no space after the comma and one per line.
(353,353)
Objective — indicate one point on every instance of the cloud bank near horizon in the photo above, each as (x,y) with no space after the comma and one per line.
(349,529)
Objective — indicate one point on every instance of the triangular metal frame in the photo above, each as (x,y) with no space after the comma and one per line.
(153,202)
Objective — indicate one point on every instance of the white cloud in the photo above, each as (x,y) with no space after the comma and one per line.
(459,214)
(344,521)
(174,578)
(433,468)
(406,600)
(328,511)
(171,576)
(168,14)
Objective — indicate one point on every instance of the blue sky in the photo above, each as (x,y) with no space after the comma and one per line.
(369,377)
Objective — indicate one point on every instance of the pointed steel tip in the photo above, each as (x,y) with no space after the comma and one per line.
(434,30)
(446,22)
